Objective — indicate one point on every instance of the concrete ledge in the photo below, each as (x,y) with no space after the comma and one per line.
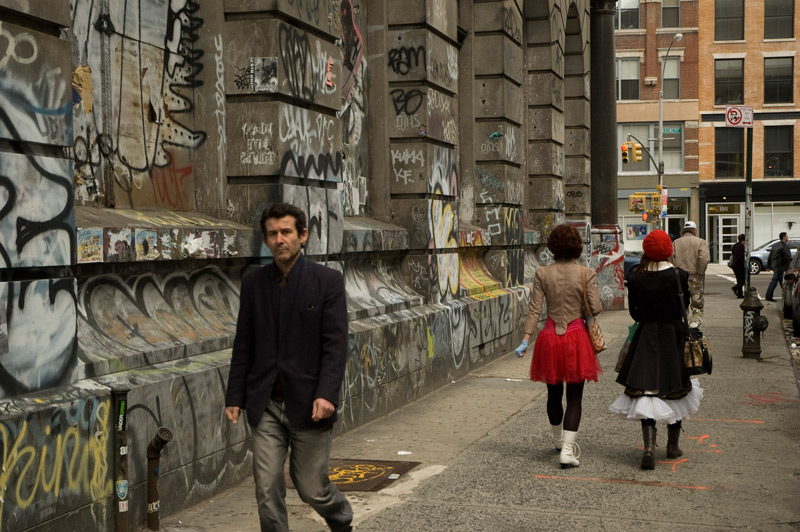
(365,234)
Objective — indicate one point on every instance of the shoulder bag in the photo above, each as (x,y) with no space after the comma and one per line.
(696,356)
(595,334)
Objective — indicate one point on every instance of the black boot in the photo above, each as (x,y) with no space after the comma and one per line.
(673,435)
(648,456)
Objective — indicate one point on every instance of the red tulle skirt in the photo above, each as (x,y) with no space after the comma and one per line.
(568,358)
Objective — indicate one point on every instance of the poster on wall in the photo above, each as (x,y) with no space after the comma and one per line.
(637,231)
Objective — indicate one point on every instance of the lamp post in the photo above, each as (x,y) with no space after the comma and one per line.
(676,38)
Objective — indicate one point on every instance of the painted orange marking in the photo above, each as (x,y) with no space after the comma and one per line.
(624,481)
(698,438)
(770,398)
(673,462)
(727,420)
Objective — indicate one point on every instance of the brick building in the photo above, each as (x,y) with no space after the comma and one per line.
(720,60)
(749,58)
(645,33)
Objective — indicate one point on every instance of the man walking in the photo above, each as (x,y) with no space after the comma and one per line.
(288,362)
(691,254)
(779,258)
(737,263)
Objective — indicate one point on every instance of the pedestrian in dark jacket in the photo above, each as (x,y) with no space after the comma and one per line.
(779,258)
(287,367)
(737,263)
(657,385)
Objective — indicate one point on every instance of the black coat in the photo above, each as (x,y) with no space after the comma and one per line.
(779,256)
(655,358)
(304,345)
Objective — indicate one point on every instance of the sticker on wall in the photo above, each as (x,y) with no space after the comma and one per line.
(122,488)
(90,245)
(264,74)
(146,244)
(637,232)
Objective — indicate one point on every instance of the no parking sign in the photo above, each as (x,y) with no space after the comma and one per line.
(738,116)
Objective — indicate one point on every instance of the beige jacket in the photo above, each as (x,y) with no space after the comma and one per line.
(690,253)
(560,285)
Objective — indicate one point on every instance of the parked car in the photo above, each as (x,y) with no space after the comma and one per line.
(791,294)
(760,255)
(631,260)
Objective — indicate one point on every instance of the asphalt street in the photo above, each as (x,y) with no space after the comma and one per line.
(487,463)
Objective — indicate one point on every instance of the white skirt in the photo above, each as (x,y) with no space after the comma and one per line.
(664,410)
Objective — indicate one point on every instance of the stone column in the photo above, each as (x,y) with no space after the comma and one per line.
(604,114)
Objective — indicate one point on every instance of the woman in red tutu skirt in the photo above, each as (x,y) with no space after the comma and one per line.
(563,352)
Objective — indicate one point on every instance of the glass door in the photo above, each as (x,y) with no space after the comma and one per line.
(724,224)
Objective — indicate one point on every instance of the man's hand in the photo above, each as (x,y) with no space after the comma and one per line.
(323,409)
(232,413)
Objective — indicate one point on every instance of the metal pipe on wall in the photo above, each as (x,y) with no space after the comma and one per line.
(162,438)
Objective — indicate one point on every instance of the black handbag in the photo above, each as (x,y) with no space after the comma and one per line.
(696,355)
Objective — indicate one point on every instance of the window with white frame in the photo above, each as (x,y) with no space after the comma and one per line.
(778,154)
(647,135)
(628,15)
(728,81)
(729,152)
(628,78)
(778,19)
(672,78)
(778,79)
(670,14)
(729,20)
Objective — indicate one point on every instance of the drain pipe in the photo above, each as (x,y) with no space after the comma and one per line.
(119,398)
(162,438)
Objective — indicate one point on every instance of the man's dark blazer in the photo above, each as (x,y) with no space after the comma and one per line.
(308,354)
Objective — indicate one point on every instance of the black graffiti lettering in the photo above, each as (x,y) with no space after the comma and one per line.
(402,60)
(297,63)
(511,25)
(407,102)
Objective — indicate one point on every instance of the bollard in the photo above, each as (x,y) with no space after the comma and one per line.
(120,399)
(754,324)
(162,438)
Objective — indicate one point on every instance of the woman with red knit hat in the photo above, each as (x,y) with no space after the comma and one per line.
(657,386)
(563,352)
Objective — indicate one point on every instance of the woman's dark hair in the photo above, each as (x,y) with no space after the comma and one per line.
(565,242)
(644,264)
(279,210)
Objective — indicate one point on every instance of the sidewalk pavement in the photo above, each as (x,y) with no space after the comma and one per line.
(487,463)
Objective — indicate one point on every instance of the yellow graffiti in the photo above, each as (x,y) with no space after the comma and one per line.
(431,339)
(74,466)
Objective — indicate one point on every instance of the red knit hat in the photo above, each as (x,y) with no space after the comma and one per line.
(657,245)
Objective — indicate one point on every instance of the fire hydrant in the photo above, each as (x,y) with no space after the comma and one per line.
(754,324)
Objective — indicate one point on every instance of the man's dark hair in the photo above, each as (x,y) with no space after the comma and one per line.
(741,238)
(279,210)
(565,242)
(783,234)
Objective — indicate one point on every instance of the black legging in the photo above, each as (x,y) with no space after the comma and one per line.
(555,411)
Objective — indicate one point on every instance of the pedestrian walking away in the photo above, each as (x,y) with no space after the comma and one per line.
(287,366)
(563,351)
(657,385)
(737,264)
(779,258)
(691,255)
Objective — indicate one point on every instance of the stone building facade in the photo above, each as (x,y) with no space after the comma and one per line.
(432,143)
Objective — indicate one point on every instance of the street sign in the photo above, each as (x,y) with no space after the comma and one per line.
(738,116)
(672,130)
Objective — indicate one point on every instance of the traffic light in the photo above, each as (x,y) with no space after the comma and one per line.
(624,149)
(637,152)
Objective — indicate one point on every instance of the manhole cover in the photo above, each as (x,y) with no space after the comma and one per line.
(363,475)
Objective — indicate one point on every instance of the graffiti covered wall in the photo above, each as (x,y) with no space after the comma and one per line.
(140,140)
